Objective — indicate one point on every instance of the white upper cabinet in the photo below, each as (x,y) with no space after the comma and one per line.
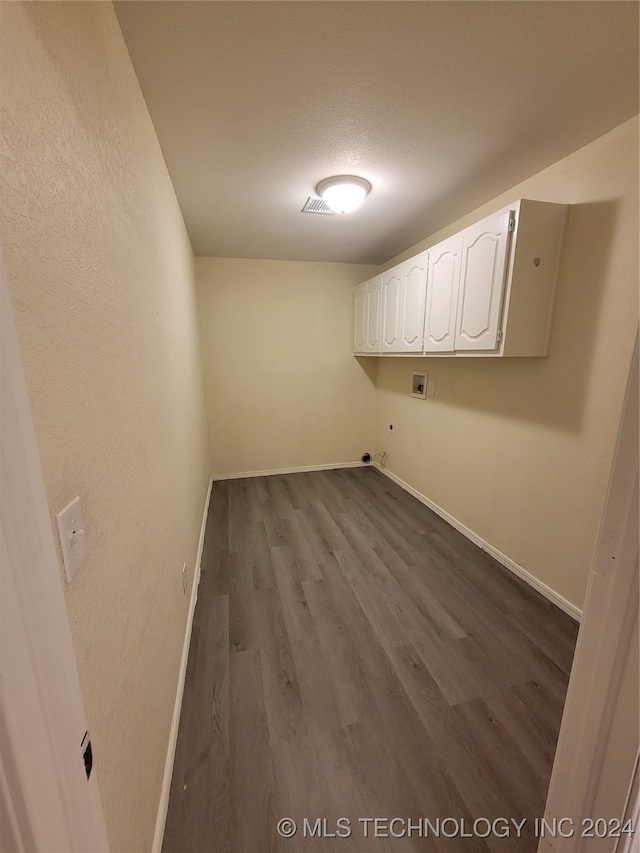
(482,280)
(367,301)
(412,303)
(391,307)
(486,291)
(442,295)
(402,307)
(374,307)
(360,318)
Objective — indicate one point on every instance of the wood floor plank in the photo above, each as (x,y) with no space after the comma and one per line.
(296,491)
(348,679)
(354,656)
(427,789)
(411,581)
(201,808)
(316,681)
(299,787)
(477,776)
(217,579)
(274,524)
(303,552)
(317,539)
(250,764)
(393,528)
(255,556)
(544,708)
(241,619)
(295,606)
(535,738)
(372,657)
(279,497)
(256,498)
(324,488)
(390,618)
(282,701)
(349,797)
(217,527)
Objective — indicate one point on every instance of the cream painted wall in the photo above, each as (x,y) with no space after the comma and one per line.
(282,387)
(102,284)
(519,450)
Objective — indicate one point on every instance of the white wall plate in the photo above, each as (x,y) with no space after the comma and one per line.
(73,538)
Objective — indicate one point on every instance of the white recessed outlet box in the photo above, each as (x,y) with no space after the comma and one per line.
(419,385)
(73,537)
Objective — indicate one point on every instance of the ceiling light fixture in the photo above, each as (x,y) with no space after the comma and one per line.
(343,193)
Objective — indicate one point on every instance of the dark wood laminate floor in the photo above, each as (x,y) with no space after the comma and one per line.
(354,656)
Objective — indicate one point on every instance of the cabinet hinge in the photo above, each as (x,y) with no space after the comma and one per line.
(512,221)
(499,335)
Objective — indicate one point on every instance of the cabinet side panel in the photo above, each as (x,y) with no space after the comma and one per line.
(533,282)
(374,300)
(360,318)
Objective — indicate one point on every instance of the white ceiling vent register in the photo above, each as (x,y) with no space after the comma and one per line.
(317,205)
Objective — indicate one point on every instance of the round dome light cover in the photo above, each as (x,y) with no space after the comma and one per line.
(343,193)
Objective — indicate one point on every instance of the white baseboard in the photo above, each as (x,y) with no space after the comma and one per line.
(301,470)
(177,708)
(549,593)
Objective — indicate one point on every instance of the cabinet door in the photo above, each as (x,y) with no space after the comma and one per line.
(374,300)
(482,279)
(391,283)
(360,318)
(412,302)
(442,295)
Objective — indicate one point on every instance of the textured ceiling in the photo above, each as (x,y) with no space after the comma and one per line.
(440,105)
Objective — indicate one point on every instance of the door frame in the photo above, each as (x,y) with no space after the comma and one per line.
(47,802)
(594,715)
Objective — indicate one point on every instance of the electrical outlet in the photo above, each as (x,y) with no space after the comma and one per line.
(184,579)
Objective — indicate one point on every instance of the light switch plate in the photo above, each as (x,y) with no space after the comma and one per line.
(73,537)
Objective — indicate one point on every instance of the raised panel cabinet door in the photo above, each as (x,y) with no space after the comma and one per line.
(482,280)
(412,302)
(389,339)
(442,295)
(360,318)
(374,300)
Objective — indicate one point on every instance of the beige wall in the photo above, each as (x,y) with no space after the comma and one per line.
(281,385)
(102,284)
(519,450)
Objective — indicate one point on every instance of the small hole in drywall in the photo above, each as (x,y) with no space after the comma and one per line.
(419,385)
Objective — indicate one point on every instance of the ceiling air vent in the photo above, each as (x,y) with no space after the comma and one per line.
(317,205)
